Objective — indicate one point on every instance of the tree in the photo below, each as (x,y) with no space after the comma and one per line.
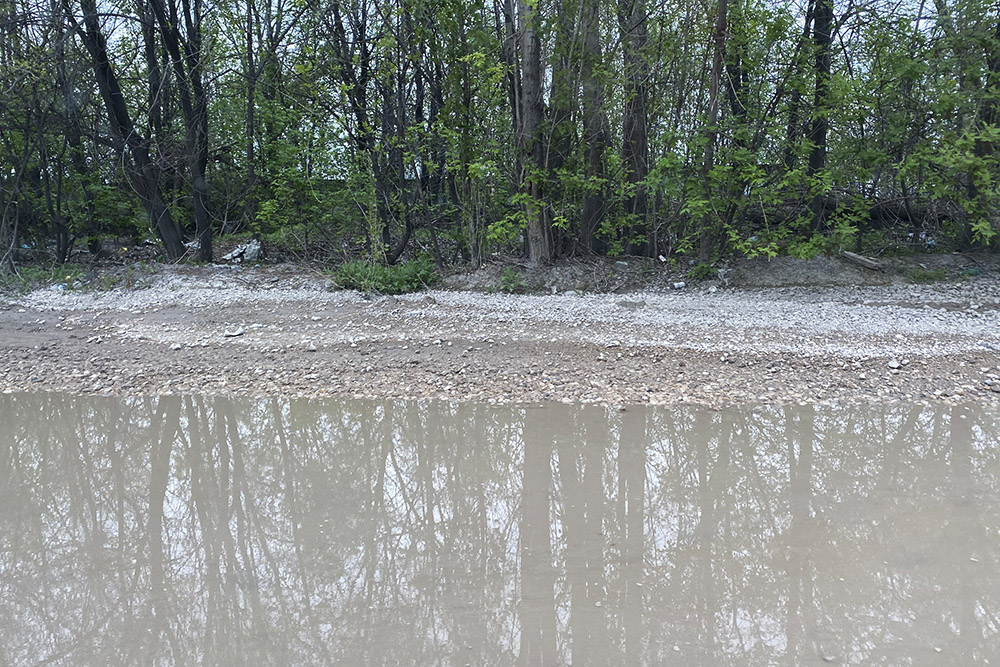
(143,173)
(531,146)
(187,59)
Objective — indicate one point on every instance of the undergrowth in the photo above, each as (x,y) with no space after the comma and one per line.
(511,281)
(413,276)
(26,278)
(924,276)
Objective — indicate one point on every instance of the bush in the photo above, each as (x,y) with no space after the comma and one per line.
(413,276)
(703,271)
(511,281)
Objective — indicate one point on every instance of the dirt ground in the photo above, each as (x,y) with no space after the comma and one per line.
(782,331)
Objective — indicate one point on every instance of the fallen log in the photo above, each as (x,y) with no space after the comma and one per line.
(860,260)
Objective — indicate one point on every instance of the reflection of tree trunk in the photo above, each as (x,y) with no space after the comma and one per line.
(800,594)
(964,527)
(201,498)
(289,470)
(631,504)
(538,622)
(700,436)
(580,471)
(159,476)
(247,577)
(376,506)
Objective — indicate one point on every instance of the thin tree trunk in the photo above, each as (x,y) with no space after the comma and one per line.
(793,130)
(74,133)
(250,203)
(560,130)
(709,223)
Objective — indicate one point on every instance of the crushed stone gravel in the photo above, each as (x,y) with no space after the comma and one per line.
(720,344)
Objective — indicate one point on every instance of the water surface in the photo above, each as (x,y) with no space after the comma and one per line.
(179,530)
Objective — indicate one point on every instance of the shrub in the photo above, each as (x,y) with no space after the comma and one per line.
(703,271)
(368,277)
(511,281)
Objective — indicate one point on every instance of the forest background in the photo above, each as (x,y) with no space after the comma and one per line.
(461,128)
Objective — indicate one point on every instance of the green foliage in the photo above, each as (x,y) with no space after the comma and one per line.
(971,273)
(920,275)
(25,278)
(511,281)
(807,248)
(703,271)
(369,277)
(335,136)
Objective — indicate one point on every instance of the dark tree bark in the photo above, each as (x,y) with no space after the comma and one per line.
(74,134)
(822,41)
(395,189)
(252,73)
(143,173)
(559,133)
(187,60)
(635,131)
(794,130)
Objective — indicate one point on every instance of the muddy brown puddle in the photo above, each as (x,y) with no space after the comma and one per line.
(178,530)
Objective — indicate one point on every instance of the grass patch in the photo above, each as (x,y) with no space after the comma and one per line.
(413,276)
(27,278)
(926,276)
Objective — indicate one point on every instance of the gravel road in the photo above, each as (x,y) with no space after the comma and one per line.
(278,330)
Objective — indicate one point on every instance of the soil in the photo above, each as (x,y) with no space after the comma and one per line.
(784,331)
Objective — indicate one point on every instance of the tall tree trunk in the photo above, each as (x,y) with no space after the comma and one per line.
(596,130)
(989,118)
(395,132)
(251,72)
(143,173)
(74,133)
(560,130)
(822,41)
(187,60)
(529,139)
(793,131)
(709,232)
(635,132)
(196,64)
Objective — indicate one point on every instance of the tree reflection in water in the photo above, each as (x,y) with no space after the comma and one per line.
(180,530)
